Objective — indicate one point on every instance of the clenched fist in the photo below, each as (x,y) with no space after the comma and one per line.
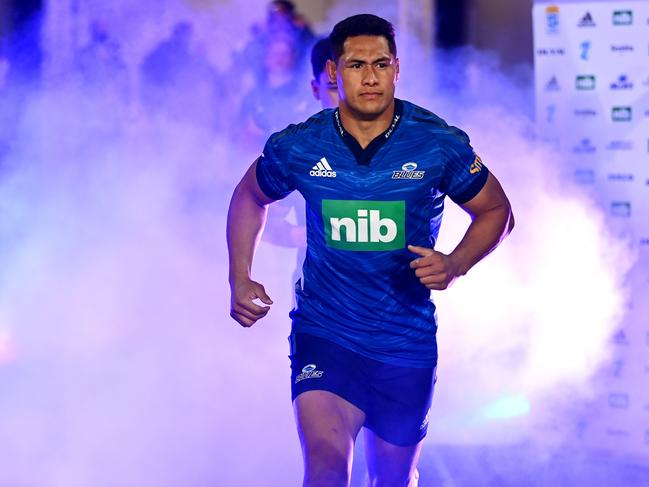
(434,269)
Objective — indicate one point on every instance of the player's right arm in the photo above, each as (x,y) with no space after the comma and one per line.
(246,218)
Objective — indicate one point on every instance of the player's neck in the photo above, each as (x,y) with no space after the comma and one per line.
(363,128)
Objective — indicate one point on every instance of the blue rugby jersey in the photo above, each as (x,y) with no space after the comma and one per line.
(363,207)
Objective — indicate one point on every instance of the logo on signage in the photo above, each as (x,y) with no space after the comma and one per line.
(552,19)
(625,178)
(621,209)
(622,48)
(551,51)
(553,84)
(587,21)
(623,17)
(584,147)
(618,401)
(620,338)
(585,112)
(584,176)
(622,114)
(585,50)
(622,83)
(621,145)
(364,225)
(585,82)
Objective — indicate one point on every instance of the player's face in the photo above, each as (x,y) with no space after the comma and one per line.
(325,91)
(366,74)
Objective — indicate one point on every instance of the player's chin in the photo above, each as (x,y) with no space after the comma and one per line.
(371,108)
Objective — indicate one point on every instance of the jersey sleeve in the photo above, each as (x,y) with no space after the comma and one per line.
(464,173)
(273,173)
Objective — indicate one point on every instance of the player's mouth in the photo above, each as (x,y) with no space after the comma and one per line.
(371,95)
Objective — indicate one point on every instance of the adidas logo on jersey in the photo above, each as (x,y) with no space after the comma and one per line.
(322,169)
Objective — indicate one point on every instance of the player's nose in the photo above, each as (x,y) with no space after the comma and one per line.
(369,76)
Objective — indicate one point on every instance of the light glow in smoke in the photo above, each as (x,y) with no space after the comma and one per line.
(124,366)
(507,407)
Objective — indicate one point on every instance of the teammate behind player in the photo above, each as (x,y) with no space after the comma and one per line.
(374,173)
(324,90)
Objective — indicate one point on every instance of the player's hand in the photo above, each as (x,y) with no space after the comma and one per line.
(434,269)
(242,307)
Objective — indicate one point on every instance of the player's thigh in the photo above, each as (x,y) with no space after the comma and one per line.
(329,395)
(391,465)
(327,425)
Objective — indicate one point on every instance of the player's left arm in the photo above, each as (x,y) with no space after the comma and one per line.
(491,221)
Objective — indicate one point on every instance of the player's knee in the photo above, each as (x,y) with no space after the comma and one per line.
(394,479)
(326,466)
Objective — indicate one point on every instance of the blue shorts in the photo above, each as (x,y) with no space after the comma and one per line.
(396,400)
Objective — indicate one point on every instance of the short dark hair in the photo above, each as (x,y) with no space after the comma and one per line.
(361,25)
(287,6)
(320,54)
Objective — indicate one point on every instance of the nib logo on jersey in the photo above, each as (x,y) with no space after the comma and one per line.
(622,83)
(622,114)
(585,82)
(322,169)
(587,21)
(364,225)
(623,17)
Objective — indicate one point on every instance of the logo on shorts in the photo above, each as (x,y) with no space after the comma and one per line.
(424,423)
(309,372)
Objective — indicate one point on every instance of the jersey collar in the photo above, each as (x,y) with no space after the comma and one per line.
(364,156)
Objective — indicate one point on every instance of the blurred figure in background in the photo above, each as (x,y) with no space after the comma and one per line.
(281,21)
(99,65)
(178,81)
(279,97)
(286,224)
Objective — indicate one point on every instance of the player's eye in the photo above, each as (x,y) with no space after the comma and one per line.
(356,65)
(382,65)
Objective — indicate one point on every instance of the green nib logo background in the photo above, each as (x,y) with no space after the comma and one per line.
(364,225)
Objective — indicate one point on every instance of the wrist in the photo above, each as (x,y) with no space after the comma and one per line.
(239,276)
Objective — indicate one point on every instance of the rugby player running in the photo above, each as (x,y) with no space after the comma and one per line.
(374,173)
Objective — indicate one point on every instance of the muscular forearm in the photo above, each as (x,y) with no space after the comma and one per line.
(484,234)
(246,219)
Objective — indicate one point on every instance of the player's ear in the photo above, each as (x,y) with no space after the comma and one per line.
(331,70)
(315,88)
(396,69)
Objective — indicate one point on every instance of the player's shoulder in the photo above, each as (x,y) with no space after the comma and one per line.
(294,134)
(423,121)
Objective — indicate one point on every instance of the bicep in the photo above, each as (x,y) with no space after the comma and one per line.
(491,197)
